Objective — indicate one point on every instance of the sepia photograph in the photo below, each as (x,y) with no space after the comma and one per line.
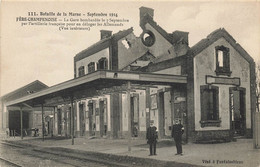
(129,83)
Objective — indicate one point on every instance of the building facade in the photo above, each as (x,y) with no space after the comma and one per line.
(123,82)
(10,116)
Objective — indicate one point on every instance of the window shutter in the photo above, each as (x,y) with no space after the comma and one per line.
(105,111)
(216,103)
(226,60)
(105,64)
(84,106)
(89,70)
(83,70)
(204,104)
(211,105)
(242,105)
(98,65)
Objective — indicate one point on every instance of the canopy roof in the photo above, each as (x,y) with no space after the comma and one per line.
(92,85)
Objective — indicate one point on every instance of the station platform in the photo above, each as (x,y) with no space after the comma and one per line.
(238,153)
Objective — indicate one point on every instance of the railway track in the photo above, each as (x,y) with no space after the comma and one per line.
(60,158)
(5,162)
(33,156)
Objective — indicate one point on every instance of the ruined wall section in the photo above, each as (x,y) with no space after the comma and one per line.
(130,48)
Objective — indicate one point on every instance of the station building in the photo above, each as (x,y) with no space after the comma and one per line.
(10,117)
(123,82)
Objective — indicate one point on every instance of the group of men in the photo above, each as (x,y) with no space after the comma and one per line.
(152,136)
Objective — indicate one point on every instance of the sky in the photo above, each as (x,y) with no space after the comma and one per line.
(45,53)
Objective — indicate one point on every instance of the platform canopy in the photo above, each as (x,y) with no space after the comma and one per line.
(96,84)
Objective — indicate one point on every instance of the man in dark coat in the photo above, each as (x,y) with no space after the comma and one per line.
(177,131)
(151,136)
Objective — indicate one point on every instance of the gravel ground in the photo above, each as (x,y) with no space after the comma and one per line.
(239,153)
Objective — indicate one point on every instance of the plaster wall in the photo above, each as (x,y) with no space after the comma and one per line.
(108,113)
(142,110)
(97,119)
(93,58)
(5,117)
(167,112)
(1,115)
(127,54)
(97,123)
(161,45)
(78,119)
(124,113)
(30,119)
(205,64)
(173,71)
(87,118)
(37,120)
(141,107)
(55,130)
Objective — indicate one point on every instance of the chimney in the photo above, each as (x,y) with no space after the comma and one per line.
(178,35)
(105,34)
(144,11)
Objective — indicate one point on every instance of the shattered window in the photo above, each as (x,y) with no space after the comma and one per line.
(126,43)
(222,61)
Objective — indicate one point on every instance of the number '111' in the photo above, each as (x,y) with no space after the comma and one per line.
(32,14)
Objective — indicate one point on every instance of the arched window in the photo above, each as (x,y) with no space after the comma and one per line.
(102,64)
(91,67)
(81,71)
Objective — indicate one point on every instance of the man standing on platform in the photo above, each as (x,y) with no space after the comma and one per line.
(151,136)
(177,131)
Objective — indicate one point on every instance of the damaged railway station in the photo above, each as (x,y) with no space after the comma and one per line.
(123,82)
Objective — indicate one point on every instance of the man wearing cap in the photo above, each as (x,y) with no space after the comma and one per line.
(151,136)
(177,131)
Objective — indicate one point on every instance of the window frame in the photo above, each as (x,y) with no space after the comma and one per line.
(81,71)
(225,70)
(206,122)
(105,63)
(91,67)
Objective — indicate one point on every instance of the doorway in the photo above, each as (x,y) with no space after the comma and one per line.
(135,115)
(82,119)
(103,118)
(180,109)
(161,114)
(59,121)
(237,111)
(15,121)
(49,125)
(92,125)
